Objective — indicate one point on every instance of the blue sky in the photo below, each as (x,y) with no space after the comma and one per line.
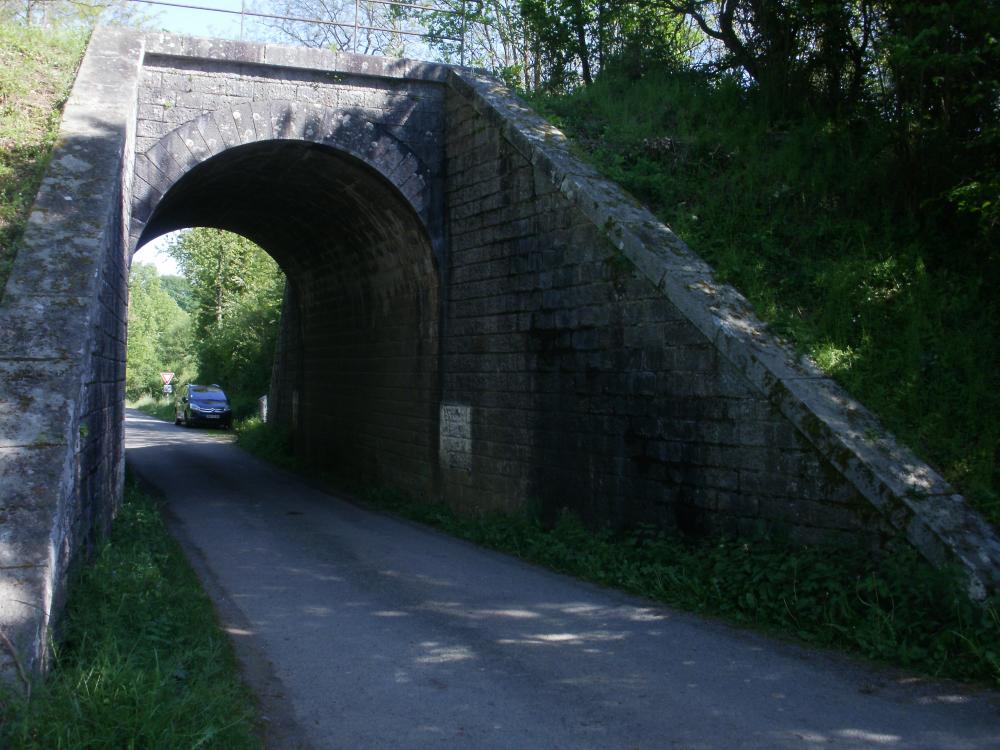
(197,22)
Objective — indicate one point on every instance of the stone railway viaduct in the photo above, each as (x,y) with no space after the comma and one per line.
(471,314)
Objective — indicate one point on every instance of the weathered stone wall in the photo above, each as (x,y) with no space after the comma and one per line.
(592,361)
(175,90)
(198,98)
(62,357)
(588,388)
(357,377)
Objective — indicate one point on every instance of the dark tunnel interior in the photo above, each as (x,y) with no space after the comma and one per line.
(356,376)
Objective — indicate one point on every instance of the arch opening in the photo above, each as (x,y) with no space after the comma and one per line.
(356,371)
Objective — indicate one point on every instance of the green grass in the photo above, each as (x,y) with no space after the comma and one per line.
(37,68)
(161,407)
(142,663)
(270,444)
(813,221)
(898,610)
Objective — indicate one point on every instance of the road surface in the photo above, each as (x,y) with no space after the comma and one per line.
(361,631)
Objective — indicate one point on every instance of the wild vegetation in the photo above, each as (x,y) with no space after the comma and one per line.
(810,222)
(216,323)
(236,291)
(160,335)
(142,662)
(836,162)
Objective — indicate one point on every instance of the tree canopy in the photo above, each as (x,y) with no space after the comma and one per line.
(236,291)
(159,334)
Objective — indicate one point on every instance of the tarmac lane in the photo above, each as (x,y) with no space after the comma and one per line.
(358,630)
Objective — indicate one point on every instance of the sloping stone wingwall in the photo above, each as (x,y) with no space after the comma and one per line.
(471,313)
(595,363)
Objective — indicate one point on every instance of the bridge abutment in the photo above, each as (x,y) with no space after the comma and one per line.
(471,313)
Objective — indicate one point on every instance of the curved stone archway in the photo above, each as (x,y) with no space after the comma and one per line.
(356,380)
(213,133)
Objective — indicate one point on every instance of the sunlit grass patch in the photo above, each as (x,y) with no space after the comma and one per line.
(161,407)
(142,662)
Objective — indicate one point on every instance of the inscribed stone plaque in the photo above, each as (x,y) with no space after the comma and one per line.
(456,436)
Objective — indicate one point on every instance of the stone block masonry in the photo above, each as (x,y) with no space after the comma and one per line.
(599,393)
(471,314)
(62,356)
(607,371)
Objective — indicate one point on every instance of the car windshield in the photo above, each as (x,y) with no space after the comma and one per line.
(207,393)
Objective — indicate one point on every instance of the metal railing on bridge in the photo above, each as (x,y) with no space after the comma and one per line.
(354,27)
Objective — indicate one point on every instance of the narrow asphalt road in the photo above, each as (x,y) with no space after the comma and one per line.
(362,631)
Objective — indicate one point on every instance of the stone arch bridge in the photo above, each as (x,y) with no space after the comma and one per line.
(471,313)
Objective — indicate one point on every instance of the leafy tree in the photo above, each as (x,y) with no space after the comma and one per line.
(573,40)
(940,88)
(179,288)
(159,334)
(236,291)
(378,25)
(492,35)
(73,13)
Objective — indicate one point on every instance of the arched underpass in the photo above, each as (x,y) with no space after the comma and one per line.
(473,311)
(357,377)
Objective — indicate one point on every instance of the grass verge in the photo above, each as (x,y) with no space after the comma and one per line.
(37,68)
(161,407)
(253,436)
(899,611)
(143,663)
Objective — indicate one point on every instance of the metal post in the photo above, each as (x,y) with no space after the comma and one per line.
(461,44)
(243,10)
(357,10)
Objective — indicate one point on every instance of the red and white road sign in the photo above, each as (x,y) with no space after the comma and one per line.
(166,377)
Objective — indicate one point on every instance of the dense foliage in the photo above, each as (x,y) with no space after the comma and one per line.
(235,302)
(142,663)
(838,162)
(159,334)
(217,323)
